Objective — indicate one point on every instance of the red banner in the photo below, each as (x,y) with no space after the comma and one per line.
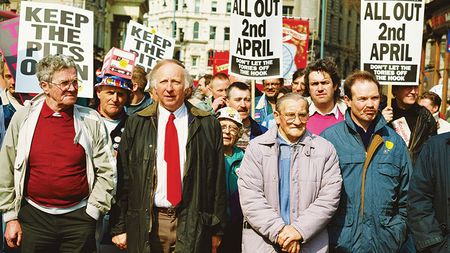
(9,32)
(295,45)
(220,62)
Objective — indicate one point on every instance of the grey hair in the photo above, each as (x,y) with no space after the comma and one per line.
(291,96)
(51,64)
(151,76)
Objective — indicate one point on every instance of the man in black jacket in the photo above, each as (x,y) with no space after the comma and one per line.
(428,196)
(171,189)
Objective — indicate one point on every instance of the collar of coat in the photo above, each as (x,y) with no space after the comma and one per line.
(152,110)
(270,138)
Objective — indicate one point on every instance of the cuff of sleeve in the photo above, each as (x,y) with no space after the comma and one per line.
(278,229)
(300,231)
(92,211)
(9,215)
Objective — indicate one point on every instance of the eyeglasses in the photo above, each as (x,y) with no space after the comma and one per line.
(291,116)
(230,129)
(65,85)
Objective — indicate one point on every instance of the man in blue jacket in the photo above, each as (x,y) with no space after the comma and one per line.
(428,196)
(375,168)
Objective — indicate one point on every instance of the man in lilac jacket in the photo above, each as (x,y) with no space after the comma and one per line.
(289,184)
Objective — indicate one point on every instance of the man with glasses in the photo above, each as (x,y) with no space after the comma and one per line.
(375,168)
(239,98)
(57,171)
(322,84)
(289,184)
(265,104)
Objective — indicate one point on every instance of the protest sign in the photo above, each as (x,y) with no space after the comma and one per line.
(48,28)
(220,62)
(148,46)
(391,40)
(295,45)
(255,39)
(9,32)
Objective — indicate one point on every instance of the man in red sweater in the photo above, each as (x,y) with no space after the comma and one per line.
(57,171)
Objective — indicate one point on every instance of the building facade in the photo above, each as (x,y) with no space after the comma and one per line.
(198,27)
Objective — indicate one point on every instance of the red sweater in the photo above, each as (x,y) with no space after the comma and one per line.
(317,122)
(57,167)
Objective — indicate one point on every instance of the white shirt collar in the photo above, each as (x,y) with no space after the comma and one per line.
(334,111)
(180,112)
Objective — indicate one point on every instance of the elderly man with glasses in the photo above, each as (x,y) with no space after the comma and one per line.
(57,171)
(289,184)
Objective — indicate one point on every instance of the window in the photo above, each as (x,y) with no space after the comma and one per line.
(287,10)
(214,6)
(226,35)
(194,61)
(197,6)
(212,32)
(176,4)
(228,7)
(340,30)
(196,28)
(349,32)
(174,28)
(329,29)
(210,57)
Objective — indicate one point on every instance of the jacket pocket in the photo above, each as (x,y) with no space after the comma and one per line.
(389,179)
(208,219)
(394,225)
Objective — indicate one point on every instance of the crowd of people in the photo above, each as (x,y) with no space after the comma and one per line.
(183,169)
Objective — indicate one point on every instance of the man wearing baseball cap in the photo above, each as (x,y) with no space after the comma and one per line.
(231,123)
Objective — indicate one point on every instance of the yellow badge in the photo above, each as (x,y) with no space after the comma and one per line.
(389,145)
(153,30)
(123,63)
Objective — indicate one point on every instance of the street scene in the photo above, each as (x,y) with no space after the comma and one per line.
(224,126)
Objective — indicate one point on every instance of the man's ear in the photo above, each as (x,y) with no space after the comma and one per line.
(435,108)
(347,100)
(276,115)
(44,86)
(135,87)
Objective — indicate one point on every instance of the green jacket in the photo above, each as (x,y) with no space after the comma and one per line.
(202,210)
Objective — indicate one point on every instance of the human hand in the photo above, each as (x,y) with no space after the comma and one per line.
(216,240)
(287,235)
(13,233)
(218,103)
(120,240)
(388,114)
(293,247)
